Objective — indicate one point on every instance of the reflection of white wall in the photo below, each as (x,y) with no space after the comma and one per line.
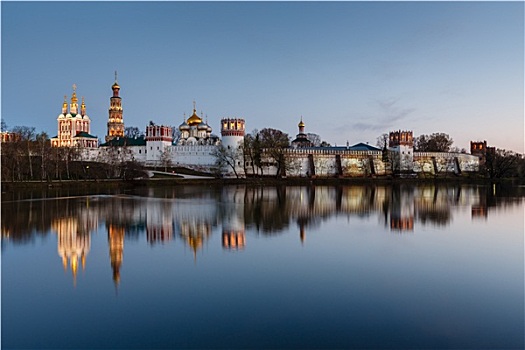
(232,199)
(159,219)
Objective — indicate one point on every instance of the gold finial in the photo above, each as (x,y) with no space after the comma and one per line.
(301,123)
(74,98)
(194,109)
(115,76)
(83,103)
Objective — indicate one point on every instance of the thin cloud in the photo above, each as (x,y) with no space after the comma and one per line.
(390,115)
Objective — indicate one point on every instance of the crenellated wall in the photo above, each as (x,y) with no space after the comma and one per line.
(325,162)
(442,162)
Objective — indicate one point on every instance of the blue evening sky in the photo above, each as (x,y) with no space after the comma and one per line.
(352,70)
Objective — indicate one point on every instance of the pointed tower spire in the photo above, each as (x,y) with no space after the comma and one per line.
(301,126)
(64,105)
(83,107)
(73,108)
(116,77)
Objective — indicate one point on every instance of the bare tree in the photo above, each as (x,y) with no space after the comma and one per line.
(43,148)
(165,158)
(274,142)
(315,139)
(502,163)
(132,132)
(227,158)
(252,152)
(27,135)
(382,141)
(437,142)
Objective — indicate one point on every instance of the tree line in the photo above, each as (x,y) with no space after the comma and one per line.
(30,157)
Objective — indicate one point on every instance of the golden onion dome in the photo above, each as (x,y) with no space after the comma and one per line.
(115,86)
(301,124)
(194,119)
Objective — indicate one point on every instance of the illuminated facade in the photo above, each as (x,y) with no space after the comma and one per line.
(74,125)
(116,119)
(7,136)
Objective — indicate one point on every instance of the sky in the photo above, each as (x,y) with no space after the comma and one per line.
(351,70)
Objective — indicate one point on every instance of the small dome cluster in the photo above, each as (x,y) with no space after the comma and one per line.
(195,131)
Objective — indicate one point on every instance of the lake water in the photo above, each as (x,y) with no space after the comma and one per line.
(276,267)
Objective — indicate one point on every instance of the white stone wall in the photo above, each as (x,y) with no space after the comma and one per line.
(353,163)
(154,151)
(193,155)
(444,162)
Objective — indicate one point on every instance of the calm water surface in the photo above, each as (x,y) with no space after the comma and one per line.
(276,267)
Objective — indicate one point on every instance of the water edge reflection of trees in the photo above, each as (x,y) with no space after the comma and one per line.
(192,214)
(266,210)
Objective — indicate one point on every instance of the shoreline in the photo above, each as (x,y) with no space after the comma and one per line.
(265,181)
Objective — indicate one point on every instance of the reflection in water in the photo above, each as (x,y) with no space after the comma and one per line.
(73,243)
(192,214)
(116,250)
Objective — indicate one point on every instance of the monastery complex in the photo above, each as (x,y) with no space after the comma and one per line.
(196,147)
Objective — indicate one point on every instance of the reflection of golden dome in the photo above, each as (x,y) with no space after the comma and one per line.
(194,119)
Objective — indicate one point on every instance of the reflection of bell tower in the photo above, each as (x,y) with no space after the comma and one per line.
(302,225)
(233,234)
(116,250)
(402,210)
(72,245)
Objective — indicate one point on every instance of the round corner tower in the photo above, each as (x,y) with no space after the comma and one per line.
(232,132)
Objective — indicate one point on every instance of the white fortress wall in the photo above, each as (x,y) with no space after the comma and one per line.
(193,155)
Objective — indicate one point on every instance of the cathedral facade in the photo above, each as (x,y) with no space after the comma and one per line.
(74,125)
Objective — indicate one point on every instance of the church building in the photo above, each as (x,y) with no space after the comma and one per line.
(74,125)
(301,140)
(195,131)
